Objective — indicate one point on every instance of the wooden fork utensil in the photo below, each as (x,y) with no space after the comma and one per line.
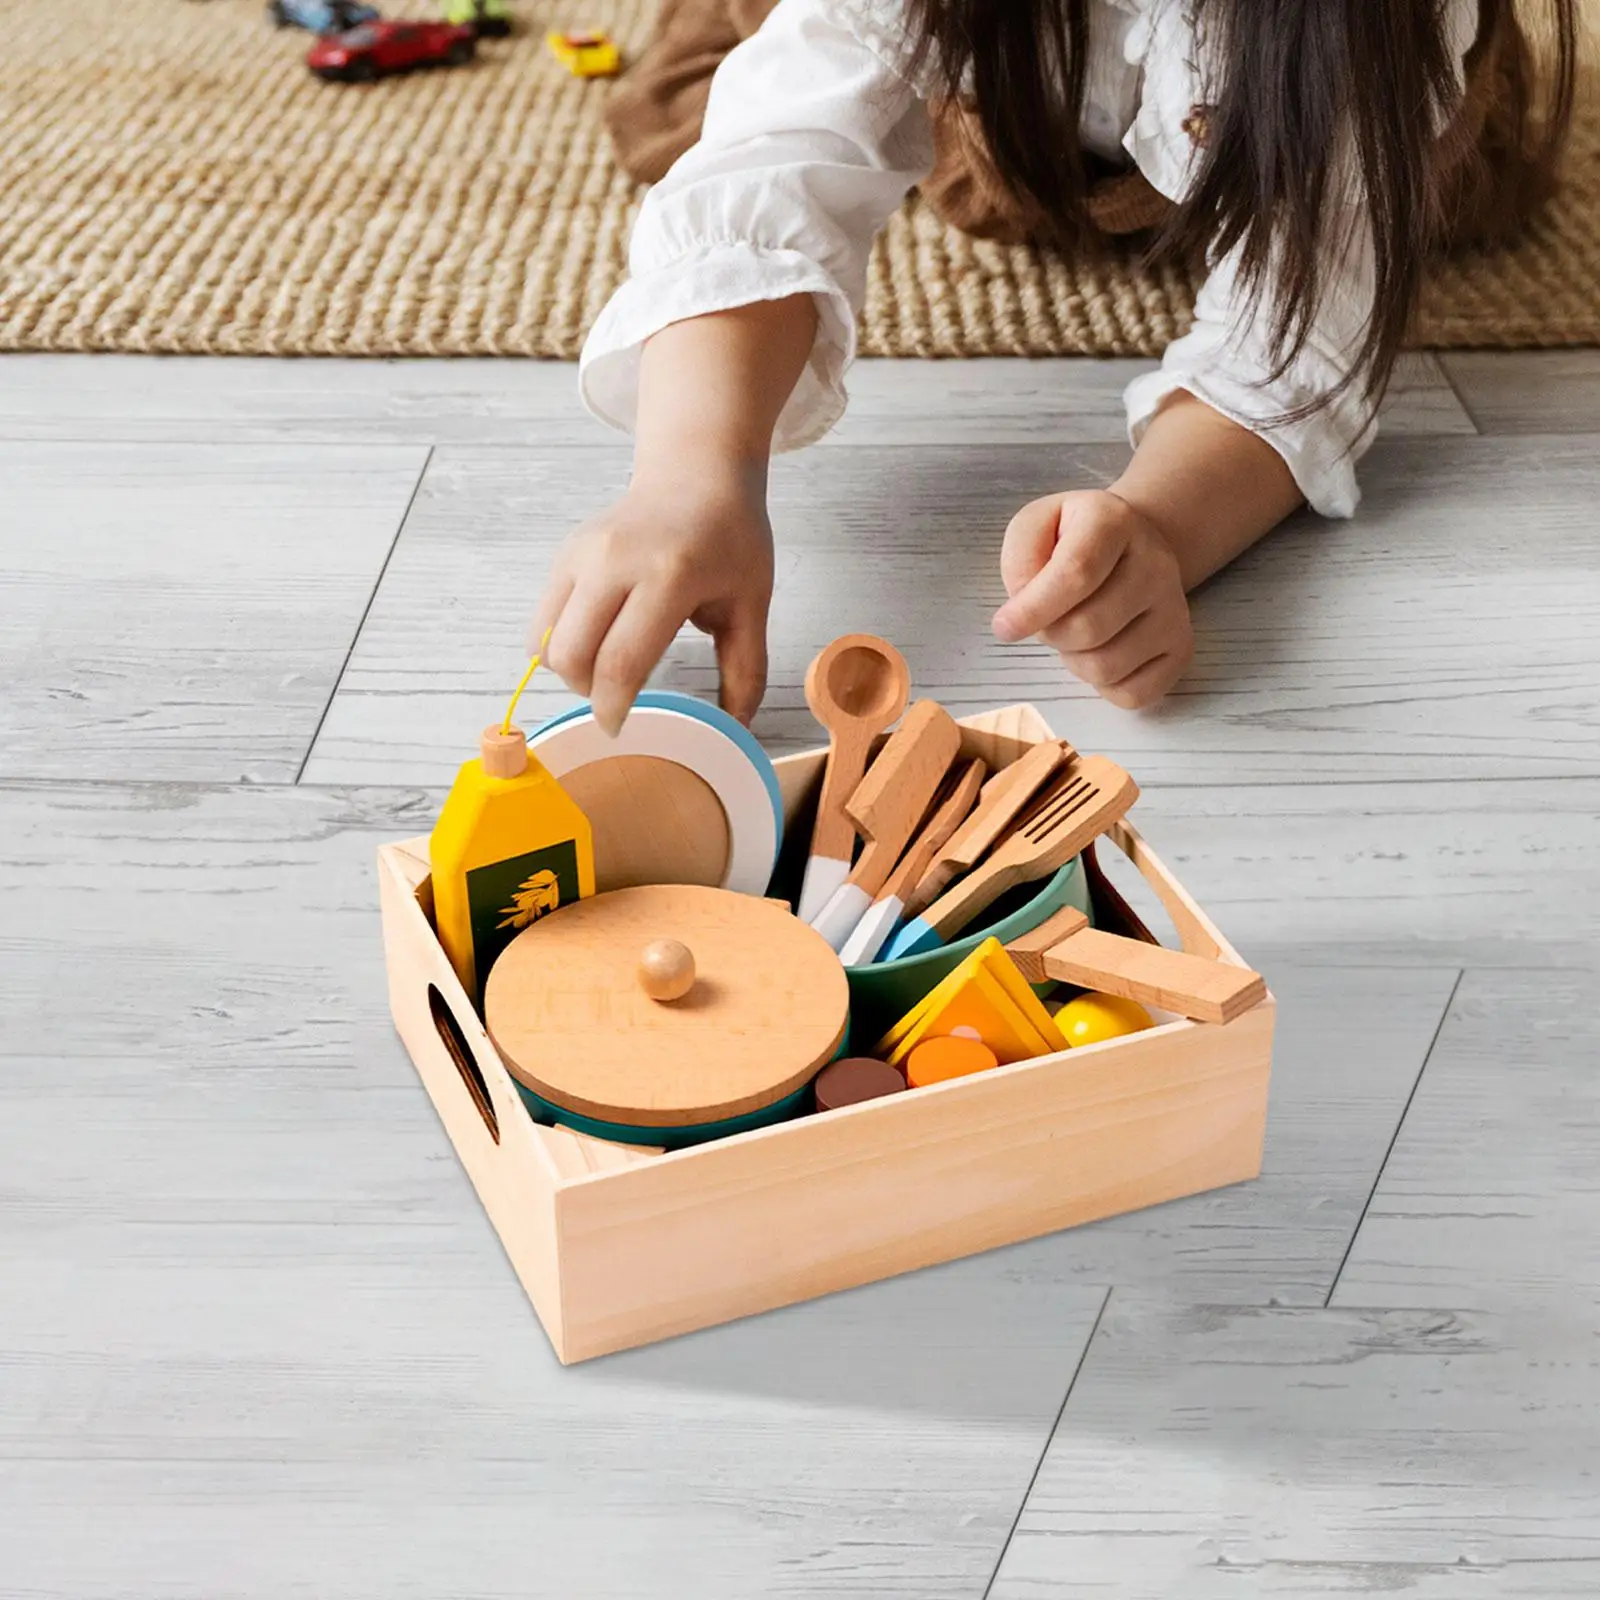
(1078,807)
(1001,801)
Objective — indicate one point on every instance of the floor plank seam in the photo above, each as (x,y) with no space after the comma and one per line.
(1442,361)
(366,611)
(1394,1138)
(1044,1449)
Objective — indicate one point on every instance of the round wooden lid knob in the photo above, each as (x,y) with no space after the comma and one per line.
(666,970)
(503,752)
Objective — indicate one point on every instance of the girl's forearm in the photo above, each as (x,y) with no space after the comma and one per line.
(1212,487)
(712,388)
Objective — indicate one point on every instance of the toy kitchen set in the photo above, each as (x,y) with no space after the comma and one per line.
(713,1033)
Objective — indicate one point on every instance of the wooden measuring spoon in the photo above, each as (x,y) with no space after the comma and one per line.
(888,807)
(856,687)
(1077,808)
(883,916)
(999,805)
(1067,950)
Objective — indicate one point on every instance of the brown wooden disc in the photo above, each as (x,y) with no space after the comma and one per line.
(654,821)
(566,1010)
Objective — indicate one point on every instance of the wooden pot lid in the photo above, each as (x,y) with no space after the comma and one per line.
(567,1010)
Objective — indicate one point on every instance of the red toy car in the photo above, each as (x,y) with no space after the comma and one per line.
(376,48)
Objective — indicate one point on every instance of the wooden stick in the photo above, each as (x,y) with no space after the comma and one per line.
(1066,950)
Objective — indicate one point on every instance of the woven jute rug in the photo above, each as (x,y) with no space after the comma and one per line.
(173,179)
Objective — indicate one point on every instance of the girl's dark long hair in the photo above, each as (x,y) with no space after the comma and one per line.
(1304,89)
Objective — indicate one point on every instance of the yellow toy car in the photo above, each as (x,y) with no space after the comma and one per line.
(586,55)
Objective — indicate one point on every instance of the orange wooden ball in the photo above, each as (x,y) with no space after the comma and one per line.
(935,1060)
(666,970)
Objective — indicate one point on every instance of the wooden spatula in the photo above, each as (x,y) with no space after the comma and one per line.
(888,807)
(1066,949)
(1078,806)
(1002,801)
(883,916)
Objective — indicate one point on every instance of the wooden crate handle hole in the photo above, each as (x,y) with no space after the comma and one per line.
(461,1053)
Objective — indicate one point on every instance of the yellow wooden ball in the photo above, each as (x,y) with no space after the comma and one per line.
(1093,1017)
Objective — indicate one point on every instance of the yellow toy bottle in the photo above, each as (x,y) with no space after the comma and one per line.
(510,846)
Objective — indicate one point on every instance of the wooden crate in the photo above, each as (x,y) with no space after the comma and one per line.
(617,1248)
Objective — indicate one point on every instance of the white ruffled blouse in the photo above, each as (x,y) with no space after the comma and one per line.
(815,131)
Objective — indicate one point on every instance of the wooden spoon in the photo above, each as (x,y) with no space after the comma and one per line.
(856,687)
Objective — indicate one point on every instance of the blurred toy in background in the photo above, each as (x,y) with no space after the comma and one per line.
(376,49)
(490,17)
(320,16)
(591,54)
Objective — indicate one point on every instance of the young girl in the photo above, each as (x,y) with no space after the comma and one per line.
(1311,151)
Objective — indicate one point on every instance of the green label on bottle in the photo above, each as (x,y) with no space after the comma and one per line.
(507,896)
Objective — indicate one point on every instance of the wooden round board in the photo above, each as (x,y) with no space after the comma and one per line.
(566,1011)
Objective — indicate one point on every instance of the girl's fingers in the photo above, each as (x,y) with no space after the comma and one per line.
(1087,548)
(742,661)
(1124,654)
(1030,539)
(1123,597)
(580,630)
(646,624)
(1149,683)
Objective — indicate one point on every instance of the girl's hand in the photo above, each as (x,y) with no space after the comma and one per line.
(690,546)
(1100,583)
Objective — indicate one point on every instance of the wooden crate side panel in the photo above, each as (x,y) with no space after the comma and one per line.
(828,1203)
(515,1178)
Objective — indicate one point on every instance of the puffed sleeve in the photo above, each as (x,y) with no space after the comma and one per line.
(1227,358)
(814,133)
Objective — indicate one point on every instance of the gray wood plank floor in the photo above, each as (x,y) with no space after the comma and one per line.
(250,1311)
(1217,1452)
(1381,648)
(182,610)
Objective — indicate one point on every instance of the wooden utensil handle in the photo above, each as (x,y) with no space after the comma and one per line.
(1207,991)
(835,834)
(976,892)
(1028,950)
(948,814)
(873,866)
